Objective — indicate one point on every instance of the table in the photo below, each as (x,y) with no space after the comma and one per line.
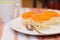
(6,33)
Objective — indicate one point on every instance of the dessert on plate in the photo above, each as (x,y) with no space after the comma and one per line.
(41,20)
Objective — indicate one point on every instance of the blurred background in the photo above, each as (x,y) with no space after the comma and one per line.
(51,4)
(29,3)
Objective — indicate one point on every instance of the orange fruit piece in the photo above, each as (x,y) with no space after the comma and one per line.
(27,14)
(51,13)
(35,17)
(40,17)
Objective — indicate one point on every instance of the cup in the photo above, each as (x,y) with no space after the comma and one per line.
(7,9)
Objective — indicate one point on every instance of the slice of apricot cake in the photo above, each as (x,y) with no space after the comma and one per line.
(42,20)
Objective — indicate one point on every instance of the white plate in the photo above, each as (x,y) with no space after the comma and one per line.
(17,25)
